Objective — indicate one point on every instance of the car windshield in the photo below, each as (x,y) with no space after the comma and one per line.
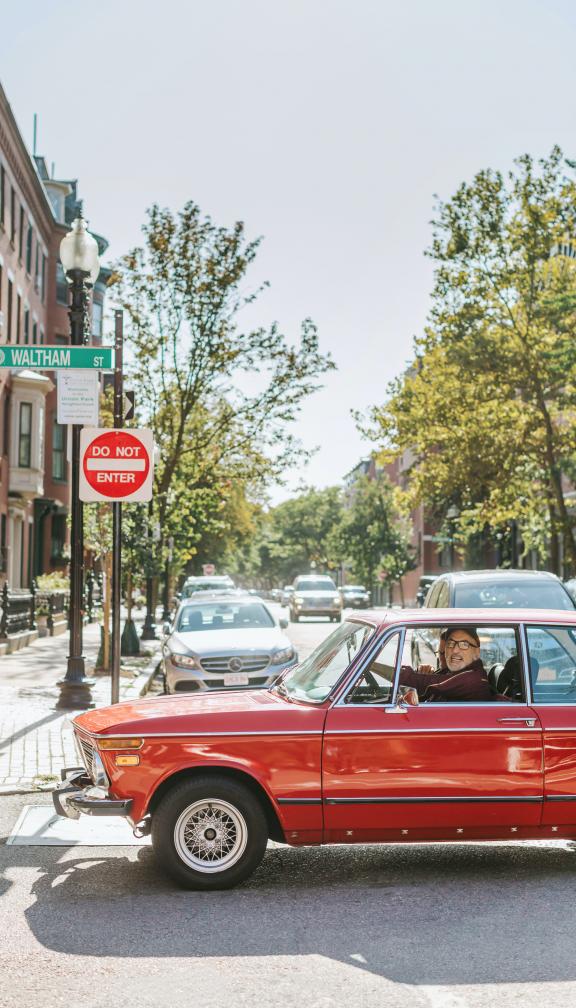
(354,588)
(223,616)
(315,677)
(537,594)
(321,585)
(218,584)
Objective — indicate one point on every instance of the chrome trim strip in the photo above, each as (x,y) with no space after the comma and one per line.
(299,801)
(432,798)
(562,797)
(208,734)
(426,731)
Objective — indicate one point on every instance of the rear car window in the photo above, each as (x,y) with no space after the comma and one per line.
(512,594)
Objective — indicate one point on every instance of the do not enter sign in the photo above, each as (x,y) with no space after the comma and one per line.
(116,465)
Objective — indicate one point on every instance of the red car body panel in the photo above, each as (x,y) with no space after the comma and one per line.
(255,732)
(336,772)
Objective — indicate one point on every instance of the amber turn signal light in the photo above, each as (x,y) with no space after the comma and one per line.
(127,760)
(120,743)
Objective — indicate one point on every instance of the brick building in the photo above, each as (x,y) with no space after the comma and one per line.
(35,214)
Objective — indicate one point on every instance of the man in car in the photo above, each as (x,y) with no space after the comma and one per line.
(463,678)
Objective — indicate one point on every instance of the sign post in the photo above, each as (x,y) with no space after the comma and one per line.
(117,513)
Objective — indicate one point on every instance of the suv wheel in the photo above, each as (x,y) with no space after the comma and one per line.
(209,833)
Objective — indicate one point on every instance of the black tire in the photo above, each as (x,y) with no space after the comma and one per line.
(232,807)
(294,617)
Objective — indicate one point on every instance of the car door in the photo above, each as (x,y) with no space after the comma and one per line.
(551,653)
(433,770)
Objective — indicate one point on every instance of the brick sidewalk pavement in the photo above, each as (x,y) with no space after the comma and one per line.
(36,740)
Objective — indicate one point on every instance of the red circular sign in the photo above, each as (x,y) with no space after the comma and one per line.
(116,464)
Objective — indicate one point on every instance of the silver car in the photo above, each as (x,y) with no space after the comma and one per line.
(222,642)
(315,595)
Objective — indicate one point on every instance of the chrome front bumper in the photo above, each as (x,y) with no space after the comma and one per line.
(78,794)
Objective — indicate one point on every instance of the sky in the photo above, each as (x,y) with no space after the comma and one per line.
(327,126)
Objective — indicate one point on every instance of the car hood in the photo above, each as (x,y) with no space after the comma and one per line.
(229,642)
(245,711)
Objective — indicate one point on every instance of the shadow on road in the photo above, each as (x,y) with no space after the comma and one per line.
(420,915)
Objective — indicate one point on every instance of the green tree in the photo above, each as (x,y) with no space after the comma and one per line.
(487,411)
(219,398)
(375,533)
(299,535)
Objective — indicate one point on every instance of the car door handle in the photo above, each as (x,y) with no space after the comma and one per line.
(527,720)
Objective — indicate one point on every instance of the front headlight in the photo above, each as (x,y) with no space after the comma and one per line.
(280,657)
(99,775)
(336,600)
(184,660)
(298,600)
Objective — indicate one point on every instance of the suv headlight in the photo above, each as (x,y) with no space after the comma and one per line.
(298,599)
(184,660)
(282,656)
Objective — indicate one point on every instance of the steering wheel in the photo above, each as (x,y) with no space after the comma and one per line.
(372,684)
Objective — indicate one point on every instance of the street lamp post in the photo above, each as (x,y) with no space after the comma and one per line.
(79,257)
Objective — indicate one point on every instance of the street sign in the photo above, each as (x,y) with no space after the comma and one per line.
(57,358)
(78,397)
(116,465)
(128,402)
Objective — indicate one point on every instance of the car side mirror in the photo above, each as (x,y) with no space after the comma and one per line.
(407,697)
(283,623)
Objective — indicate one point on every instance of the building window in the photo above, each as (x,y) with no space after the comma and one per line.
(2,194)
(1,284)
(97,320)
(43,281)
(37,268)
(26,325)
(29,240)
(61,285)
(18,314)
(41,336)
(9,312)
(25,436)
(6,425)
(58,538)
(35,333)
(12,215)
(21,234)
(59,451)
(3,551)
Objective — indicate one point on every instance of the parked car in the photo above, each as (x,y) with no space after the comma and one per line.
(570,587)
(315,595)
(424,585)
(335,751)
(287,593)
(490,589)
(275,594)
(355,596)
(220,641)
(210,584)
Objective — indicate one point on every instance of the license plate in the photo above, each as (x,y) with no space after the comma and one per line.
(236,679)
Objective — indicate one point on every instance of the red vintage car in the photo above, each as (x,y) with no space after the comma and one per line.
(338,750)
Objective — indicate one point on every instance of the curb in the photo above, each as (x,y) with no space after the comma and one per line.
(141,684)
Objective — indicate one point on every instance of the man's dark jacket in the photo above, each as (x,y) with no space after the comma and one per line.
(470,683)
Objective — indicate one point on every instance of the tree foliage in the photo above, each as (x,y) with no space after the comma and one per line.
(220,398)
(486,412)
(375,534)
(300,535)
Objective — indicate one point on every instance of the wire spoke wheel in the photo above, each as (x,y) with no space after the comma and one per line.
(210,835)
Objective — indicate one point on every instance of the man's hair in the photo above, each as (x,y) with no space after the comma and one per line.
(471,631)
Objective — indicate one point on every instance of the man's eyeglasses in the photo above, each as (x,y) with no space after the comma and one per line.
(464,645)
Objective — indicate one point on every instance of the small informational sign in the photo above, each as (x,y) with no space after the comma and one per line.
(78,397)
(208,570)
(116,465)
(57,358)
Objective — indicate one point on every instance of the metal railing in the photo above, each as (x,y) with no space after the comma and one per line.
(20,606)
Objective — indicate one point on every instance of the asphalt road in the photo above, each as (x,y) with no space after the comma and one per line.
(442,926)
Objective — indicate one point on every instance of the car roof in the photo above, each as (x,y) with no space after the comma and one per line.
(201,578)
(464,617)
(498,575)
(223,596)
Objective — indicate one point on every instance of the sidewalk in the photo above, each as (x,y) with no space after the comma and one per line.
(36,740)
